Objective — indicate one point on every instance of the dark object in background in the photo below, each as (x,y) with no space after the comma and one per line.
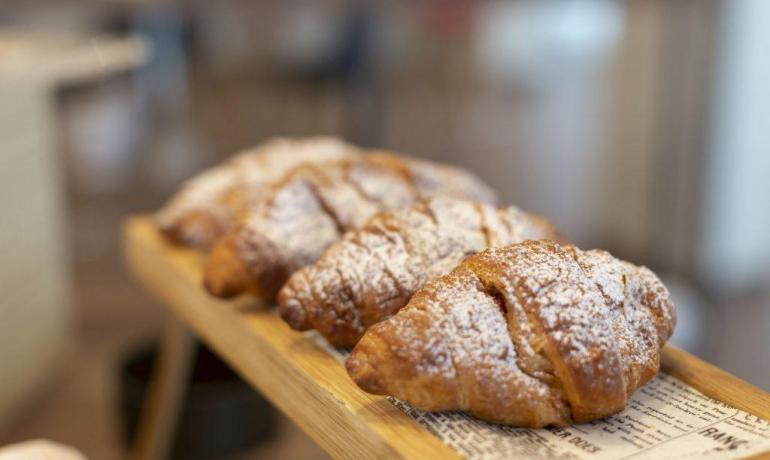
(221,414)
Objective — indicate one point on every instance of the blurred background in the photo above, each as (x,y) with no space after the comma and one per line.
(639,126)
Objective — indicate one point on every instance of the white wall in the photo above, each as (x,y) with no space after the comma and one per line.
(35,304)
(735,247)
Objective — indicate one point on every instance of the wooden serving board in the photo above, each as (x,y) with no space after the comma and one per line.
(309,385)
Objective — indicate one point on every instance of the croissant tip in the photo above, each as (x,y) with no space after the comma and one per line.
(196,230)
(224,276)
(291,311)
(364,374)
(220,287)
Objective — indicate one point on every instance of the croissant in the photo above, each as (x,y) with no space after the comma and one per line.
(313,206)
(373,271)
(206,205)
(528,335)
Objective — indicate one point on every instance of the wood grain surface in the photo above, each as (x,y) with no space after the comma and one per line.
(309,385)
(288,368)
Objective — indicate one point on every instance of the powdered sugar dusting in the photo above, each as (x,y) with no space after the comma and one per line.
(220,193)
(290,226)
(575,332)
(375,270)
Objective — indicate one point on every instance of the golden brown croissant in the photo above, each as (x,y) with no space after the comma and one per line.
(373,271)
(313,206)
(206,205)
(530,335)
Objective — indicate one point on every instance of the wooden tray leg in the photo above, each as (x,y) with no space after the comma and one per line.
(161,408)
